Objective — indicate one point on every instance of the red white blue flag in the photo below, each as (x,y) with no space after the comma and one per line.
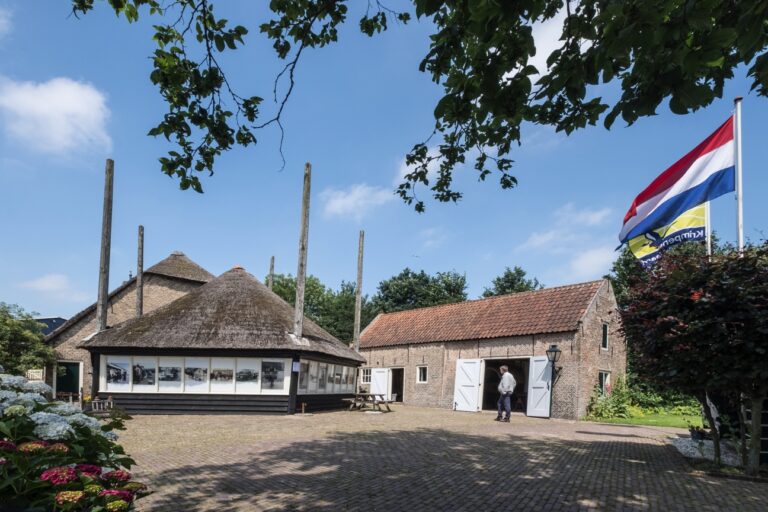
(704,174)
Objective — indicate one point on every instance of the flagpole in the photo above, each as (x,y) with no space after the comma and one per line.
(739,198)
(708,228)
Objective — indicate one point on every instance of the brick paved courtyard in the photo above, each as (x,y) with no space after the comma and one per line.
(418,459)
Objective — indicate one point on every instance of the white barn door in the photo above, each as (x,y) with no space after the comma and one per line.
(539,387)
(466,392)
(380,381)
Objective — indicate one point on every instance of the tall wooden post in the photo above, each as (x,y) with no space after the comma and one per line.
(359,291)
(106,240)
(301,272)
(140,274)
(271,277)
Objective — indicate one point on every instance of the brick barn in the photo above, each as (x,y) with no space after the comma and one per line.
(448,356)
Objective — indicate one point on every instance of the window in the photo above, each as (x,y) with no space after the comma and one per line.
(604,382)
(421,374)
(365,377)
(604,344)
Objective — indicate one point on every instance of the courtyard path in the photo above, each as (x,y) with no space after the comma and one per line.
(418,459)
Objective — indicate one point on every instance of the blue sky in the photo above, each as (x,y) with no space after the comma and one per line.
(75,92)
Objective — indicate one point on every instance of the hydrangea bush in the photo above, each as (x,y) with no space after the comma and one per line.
(54,457)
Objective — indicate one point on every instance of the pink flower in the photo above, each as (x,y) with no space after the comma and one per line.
(117,494)
(33,446)
(7,446)
(59,476)
(3,461)
(119,475)
(91,470)
(59,448)
(69,497)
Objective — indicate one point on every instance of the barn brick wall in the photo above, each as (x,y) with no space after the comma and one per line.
(593,357)
(158,291)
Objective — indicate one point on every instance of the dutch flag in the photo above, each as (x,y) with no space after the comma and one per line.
(704,174)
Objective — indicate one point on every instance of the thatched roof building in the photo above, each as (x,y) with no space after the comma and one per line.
(231,336)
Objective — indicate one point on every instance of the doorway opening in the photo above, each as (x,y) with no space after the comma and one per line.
(398,375)
(519,370)
(67,379)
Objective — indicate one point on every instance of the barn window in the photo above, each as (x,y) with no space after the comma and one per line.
(421,374)
(604,344)
(604,382)
(365,377)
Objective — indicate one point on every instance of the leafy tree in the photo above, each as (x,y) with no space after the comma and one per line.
(513,280)
(410,290)
(699,324)
(316,294)
(21,341)
(480,53)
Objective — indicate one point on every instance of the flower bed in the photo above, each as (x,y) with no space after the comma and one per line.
(54,457)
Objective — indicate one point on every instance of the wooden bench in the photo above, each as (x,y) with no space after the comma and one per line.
(101,407)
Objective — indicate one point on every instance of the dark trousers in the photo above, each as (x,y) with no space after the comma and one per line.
(505,404)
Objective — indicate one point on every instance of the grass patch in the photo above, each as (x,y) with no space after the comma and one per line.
(656,420)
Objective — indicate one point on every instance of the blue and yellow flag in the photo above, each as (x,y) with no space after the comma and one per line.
(690,225)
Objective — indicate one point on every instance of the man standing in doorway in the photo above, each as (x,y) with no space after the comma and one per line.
(506,388)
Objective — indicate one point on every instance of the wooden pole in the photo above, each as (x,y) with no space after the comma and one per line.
(301,272)
(140,274)
(359,291)
(106,240)
(271,277)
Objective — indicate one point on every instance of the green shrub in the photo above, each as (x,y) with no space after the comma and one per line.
(615,404)
(54,457)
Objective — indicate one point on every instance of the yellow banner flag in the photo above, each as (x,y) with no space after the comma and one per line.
(691,225)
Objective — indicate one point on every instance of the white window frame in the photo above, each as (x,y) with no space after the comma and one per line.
(418,374)
(606,381)
(604,336)
(365,375)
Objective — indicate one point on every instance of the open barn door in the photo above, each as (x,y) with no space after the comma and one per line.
(380,382)
(539,387)
(466,392)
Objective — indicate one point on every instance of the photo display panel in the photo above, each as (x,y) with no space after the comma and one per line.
(144,374)
(303,376)
(322,377)
(169,374)
(196,375)
(247,375)
(118,369)
(222,375)
(313,370)
(273,375)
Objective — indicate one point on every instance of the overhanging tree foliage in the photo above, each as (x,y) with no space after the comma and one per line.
(700,324)
(679,51)
(410,290)
(21,341)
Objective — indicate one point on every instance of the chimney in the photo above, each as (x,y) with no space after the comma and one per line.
(358,291)
(140,274)
(106,240)
(301,273)
(271,277)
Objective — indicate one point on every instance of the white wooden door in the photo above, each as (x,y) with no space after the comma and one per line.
(466,392)
(380,381)
(539,387)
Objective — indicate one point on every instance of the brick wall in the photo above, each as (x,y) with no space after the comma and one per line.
(158,291)
(594,358)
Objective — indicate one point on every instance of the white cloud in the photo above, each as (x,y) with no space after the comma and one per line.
(568,213)
(570,226)
(355,201)
(58,116)
(546,35)
(5,21)
(592,263)
(55,286)
(432,238)
(432,168)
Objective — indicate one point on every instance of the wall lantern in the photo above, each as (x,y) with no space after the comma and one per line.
(553,354)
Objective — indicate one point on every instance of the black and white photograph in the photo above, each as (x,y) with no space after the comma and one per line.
(195,374)
(274,374)
(117,373)
(143,375)
(322,376)
(222,375)
(169,374)
(247,375)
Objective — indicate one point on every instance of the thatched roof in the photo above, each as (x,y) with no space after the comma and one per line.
(176,266)
(234,311)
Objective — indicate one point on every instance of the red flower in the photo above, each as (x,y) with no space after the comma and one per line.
(59,448)
(117,494)
(91,470)
(69,497)
(119,475)
(33,446)
(696,295)
(7,446)
(59,476)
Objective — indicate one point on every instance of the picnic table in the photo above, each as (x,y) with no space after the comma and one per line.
(375,400)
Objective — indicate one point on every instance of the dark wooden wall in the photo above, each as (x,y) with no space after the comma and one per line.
(317,403)
(167,403)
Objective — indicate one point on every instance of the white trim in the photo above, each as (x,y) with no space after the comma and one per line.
(426,374)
